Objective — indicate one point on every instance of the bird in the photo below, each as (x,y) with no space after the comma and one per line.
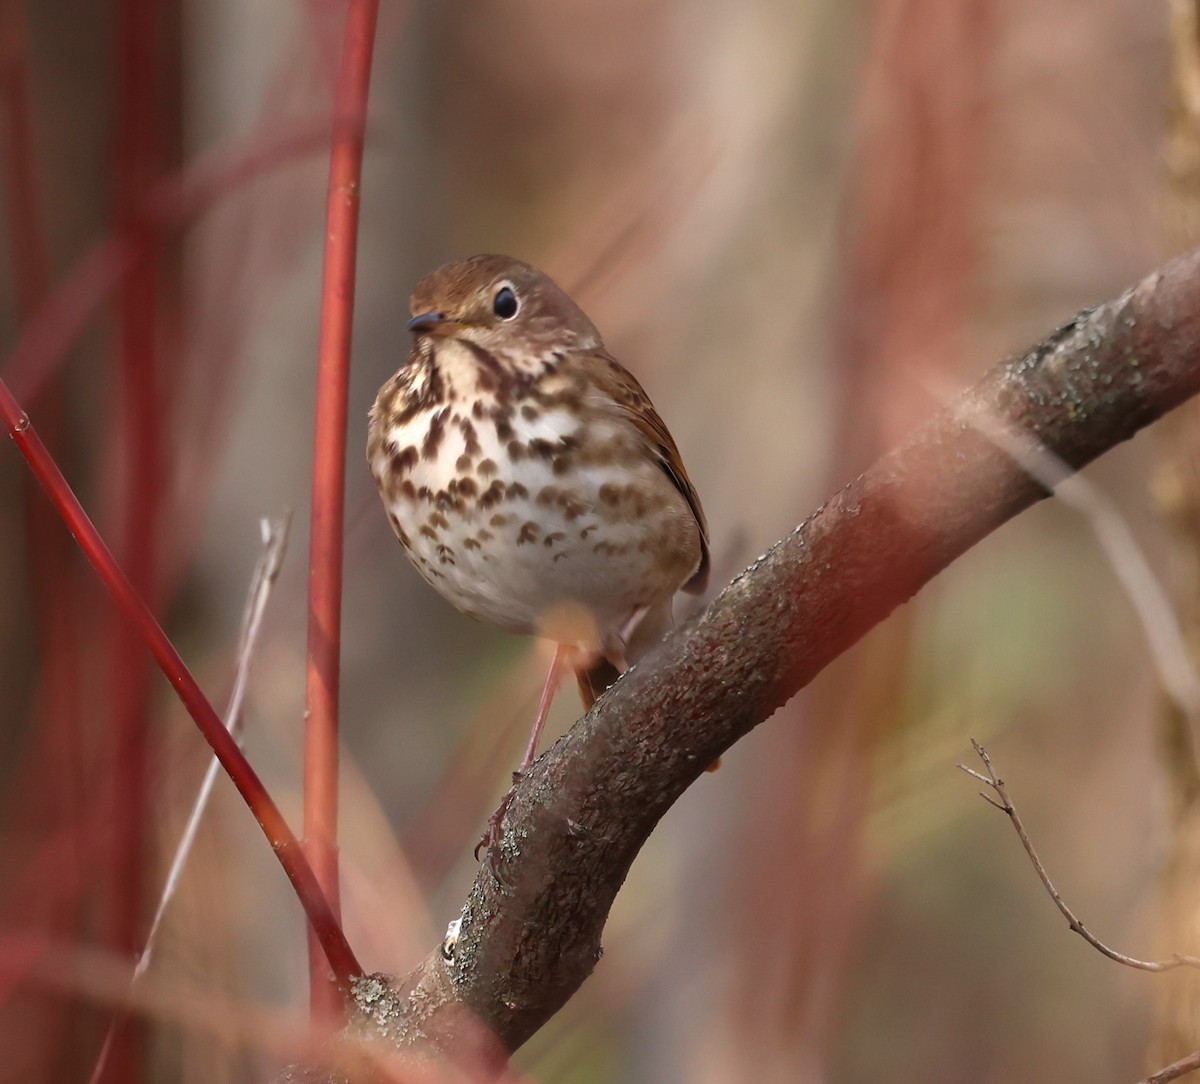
(529,478)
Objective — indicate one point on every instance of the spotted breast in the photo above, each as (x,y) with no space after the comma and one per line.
(526,473)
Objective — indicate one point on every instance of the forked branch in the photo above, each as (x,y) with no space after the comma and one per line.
(1176,1069)
(1004,803)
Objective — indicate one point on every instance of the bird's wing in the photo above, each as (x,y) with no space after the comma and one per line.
(619,386)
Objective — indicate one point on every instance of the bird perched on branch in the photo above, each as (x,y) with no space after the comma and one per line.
(530,479)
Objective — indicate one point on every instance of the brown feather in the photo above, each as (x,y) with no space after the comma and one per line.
(621,388)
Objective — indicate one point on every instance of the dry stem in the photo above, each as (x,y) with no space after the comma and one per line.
(1005,805)
(1175,1070)
(281,838)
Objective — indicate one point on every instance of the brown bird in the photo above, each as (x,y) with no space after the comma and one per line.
(529,477)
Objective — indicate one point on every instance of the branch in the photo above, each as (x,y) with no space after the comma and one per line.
(327,522)
(1176,1069)
(1005,805)
(529,938)
(266,571)
(281,838)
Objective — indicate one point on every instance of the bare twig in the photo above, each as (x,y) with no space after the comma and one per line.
(274,540)
(283,841)
(1175,1070)
(1168,651)
(274,537)
(1005,805)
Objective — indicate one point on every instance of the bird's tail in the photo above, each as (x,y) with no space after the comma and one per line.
(601,673)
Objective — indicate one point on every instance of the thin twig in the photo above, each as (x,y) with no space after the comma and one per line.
(280,836)
(1164,637)
(274,539)
(1175,1070)
(266,571)
(1005,805)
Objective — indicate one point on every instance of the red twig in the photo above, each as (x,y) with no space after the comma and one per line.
(320,916)
(329,458)
(137,161)
(64,315)
(50,791)
(172,202)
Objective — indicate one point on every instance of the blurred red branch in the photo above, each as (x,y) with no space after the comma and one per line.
(279,835)
(173,201)
(26,217)
(50,795)
(329,468)
(55,318)
(142,120)
(905,295)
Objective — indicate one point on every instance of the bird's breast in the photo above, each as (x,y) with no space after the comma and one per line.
(518,512)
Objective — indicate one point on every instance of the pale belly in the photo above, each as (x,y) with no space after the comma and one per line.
(531,547)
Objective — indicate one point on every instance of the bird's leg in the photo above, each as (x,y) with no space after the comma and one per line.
(616,653)
(562,654)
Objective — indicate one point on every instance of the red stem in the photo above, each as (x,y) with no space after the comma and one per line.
(66,313)
(328,487)
(50,792)
(138,159)
(284,843)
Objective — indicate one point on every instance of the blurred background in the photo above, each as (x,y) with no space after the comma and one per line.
(803,226)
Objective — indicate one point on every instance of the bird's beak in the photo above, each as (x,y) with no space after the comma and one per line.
(431,323)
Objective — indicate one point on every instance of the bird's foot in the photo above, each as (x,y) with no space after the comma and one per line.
(491,835)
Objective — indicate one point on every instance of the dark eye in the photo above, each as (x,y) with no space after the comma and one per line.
(504,304)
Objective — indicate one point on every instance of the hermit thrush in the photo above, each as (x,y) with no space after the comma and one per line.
(529,477)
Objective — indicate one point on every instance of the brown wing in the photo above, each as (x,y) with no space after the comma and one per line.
(627,395)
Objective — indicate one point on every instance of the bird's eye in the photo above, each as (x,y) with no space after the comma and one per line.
(505,304)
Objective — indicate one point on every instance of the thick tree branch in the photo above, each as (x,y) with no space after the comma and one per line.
(530,937)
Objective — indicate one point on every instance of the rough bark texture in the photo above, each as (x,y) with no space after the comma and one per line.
(532,935)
